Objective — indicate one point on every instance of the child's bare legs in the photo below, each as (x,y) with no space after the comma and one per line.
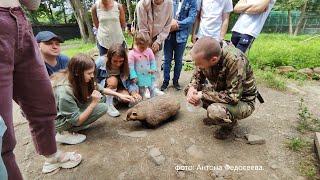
(151,90)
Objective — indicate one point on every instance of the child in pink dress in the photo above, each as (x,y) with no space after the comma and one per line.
(142,64)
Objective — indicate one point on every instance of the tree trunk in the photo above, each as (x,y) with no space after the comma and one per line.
(51,17)
(83,20)
(290,22)
(64,12)
(130,14)
(304,24)
(301,18)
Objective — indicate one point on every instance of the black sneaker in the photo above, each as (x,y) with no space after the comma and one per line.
(164,86)
(177,86)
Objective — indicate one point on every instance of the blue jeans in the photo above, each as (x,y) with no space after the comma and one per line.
(242,41)
(102,50)
(172,48)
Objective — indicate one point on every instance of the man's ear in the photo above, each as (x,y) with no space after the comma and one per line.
(214,60)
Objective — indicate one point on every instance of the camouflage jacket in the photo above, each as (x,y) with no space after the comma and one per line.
(231,80)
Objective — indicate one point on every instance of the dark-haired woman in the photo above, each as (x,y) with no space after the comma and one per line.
(113,73)
(79,100)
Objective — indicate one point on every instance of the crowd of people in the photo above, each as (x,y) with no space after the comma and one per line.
(60,96)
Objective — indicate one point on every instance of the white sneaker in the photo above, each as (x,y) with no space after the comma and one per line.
(157,92)
(60,159)
(66,137)
(112,111)
(146,94)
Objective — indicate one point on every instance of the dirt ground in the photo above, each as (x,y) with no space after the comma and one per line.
(186,143)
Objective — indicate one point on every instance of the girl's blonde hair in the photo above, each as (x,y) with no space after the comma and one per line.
(142,39)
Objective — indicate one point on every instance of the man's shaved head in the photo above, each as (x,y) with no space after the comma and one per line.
(208,47)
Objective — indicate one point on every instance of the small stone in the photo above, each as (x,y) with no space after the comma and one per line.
(154,152)
(274,165)
(254,139)
(195,152)
(156,156)
(316,70)
(317,142)
(306,71)
(134,134)
(172,141)
(158,160)
(285,69)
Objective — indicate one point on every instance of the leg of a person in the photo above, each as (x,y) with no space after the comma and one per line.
(245,42)
(142,90)
(168,55)
(112,83)
(235,38)
(241,110)
(3,170)
(102,50)
(8,40)
(158,57)
(219,114)
(32,89)
(227,115)
(97,112)
(178,55)
(151,90)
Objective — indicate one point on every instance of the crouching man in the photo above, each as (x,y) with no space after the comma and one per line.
(223,81)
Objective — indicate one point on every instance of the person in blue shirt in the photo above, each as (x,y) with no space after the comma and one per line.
(184,14)
(49,45)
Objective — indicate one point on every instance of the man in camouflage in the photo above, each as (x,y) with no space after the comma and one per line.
(231,92)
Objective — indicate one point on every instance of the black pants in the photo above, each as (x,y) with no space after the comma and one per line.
(242,41)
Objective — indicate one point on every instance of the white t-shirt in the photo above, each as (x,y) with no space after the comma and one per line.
(252,24)
(211,17)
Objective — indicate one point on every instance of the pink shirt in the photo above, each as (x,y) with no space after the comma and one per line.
(140,63)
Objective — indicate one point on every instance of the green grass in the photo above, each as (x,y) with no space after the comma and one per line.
(297,144)
(303,144)
(268,52)
(74,46)
(270,79)
(275,50)
(308,168)
(307,122)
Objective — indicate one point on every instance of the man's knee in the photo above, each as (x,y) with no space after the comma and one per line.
(219,112)
(112,82)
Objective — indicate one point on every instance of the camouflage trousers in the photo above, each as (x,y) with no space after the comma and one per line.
(226,114)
